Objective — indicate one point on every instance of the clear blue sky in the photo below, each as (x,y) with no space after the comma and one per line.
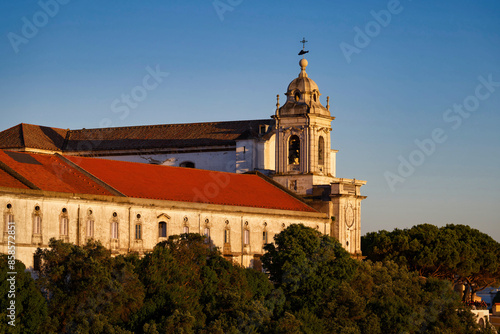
(400,84)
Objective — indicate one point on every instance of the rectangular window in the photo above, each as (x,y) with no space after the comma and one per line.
(90,228)
(138,232)
(226,236)
(37,225)
(36,262)
(264,237)
(64,226)
(114,230)
(162,230)
(185,230)
(207,234)
(246,237)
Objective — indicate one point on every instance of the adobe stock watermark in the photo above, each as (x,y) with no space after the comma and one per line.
(139,93)
(223,6)
(11,274)
(363,37)
(31,26)
(454,117)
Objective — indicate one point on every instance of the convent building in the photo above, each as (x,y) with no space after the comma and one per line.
(237,182)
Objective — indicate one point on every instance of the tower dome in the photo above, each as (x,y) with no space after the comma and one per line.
(303,96)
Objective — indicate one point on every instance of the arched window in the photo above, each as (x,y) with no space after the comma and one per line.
(185,228)
(114,229)
(294,150)
(321,151)
(8,218)
(90,225)
(37,221)
(187,164)
(63,223)
(297,96)
(162,230)
(246,237)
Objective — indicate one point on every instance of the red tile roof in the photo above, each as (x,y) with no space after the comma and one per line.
(50,173)
(146,137)
(6,180)
(162,136)
(190,185)
(33,136)
(95,176)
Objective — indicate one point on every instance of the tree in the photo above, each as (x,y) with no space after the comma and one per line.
(457,253)
(192,288)
(308,266)
(30,306)
(88,290)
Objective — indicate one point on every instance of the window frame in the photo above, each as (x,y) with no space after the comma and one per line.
(162,232)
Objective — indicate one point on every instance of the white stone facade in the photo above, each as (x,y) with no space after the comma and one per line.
(128,213)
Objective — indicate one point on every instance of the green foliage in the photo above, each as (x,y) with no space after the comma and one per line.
(308,266)
(31,309)
(314,286)
(457,253)
(87,290)
(191,287)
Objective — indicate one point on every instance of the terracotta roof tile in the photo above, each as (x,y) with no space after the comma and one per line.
(33,136)
(6,180)
(130,138)
(50,173)
(163,136)
(189,185)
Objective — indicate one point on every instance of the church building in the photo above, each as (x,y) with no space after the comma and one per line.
(237,182)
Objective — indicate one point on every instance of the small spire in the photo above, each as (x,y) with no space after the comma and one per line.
(277,103)
(328,103)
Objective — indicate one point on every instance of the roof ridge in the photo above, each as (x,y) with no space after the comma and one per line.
(94,178)
(171,124)
(23,140)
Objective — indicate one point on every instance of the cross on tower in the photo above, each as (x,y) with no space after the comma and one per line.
(303,51)
(303,41)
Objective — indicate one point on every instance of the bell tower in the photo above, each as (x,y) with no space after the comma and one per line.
(306,162)
(303,146)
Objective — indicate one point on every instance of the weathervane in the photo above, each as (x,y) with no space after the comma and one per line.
(303,51)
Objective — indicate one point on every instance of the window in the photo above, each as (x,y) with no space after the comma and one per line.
(246,237)
(297,96)
(321,151)
(114,230)
(264,237)
(64,226)
(138,232)
(90,228)
(206,233)
(294,150)
(37,224)
(162,230)
(185,230)
(187,164)
(227,234)
(37,262)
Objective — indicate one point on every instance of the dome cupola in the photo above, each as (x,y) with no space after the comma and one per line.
(303,96)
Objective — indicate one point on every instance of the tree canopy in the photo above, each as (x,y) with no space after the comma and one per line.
(456,253)
(185,285)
